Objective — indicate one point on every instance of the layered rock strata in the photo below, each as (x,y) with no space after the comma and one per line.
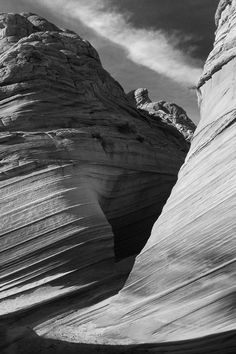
(169,113)
(182,285)
(83,175)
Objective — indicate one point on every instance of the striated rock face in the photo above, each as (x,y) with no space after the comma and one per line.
(224,49)
(83,175)
(181,286)
(169,113)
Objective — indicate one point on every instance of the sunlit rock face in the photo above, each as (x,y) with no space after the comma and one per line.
(169,113)
(182,285)
(83,175)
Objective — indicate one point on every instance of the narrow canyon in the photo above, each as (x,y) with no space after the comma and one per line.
(118,215)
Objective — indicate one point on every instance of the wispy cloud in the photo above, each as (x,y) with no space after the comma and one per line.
(154,49)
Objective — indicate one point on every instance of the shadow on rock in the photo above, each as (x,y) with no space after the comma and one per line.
(23,340)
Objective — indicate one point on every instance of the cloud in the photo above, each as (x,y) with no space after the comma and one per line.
(154,49)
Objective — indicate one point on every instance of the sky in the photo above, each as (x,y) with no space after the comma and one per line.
(157,44)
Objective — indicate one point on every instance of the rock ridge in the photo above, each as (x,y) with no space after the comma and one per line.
(224,48)
(83,174)
(62,291)
(169,113)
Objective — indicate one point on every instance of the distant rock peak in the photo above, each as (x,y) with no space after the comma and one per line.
(169,113)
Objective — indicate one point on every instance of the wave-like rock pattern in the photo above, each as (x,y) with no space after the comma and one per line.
(83,175)
(181,287)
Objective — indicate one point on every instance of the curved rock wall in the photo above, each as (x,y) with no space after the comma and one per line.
(83,175)
(182,284)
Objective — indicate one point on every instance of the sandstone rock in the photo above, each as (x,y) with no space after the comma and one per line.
(224,49)
(181,285)
(221,7)
(83,175)
(169,113)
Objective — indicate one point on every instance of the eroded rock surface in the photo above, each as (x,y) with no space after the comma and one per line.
(181,285)
(83,175)
(169,113)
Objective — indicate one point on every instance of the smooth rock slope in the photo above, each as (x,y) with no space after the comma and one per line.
(182,285)
(83,175)
(180,294)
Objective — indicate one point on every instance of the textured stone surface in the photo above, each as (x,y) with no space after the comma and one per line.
(224,49)
(169,113)
(181,285)
(83,175)
(221,7)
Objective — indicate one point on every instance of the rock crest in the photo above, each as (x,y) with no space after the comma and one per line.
(169,113)
(82,172)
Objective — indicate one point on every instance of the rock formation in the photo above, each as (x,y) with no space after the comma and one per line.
(83,175)
(169,113)
(182,285)
(180,292)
